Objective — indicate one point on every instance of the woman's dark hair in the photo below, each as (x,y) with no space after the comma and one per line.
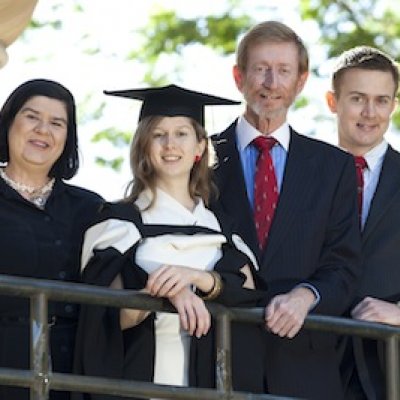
(68,163)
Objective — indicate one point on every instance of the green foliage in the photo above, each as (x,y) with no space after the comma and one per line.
(301,102)
(168,34)
(57,9)
(396,118)
(115,163)
(35,24)
(348,23)
(92,51)
(115,137)
(87,113)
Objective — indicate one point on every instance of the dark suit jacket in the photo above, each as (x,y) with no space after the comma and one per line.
(381,267)
(314,239)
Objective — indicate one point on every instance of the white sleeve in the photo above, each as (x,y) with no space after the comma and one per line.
(116,233)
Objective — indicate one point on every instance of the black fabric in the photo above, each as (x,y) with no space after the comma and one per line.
(41,244)
(130,354)
(172,100)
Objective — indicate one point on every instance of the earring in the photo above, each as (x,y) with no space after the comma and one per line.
(197,159)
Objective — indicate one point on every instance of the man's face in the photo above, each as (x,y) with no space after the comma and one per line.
(271,81)
(364,104)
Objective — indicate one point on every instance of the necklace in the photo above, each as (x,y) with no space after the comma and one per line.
(39,201)
(37,196)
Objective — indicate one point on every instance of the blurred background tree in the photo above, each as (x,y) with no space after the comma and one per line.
(347,23)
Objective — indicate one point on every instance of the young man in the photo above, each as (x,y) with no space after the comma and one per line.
(364,87)
(295,205)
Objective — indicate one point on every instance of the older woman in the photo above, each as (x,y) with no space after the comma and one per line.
(42,219)
(163,239)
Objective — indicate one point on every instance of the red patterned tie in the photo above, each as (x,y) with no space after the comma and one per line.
(265,189)
(361,164)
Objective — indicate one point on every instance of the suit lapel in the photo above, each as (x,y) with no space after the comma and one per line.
(232,185)
(387,191)
(299,170)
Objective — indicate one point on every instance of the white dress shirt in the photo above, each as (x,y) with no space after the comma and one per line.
(374,159)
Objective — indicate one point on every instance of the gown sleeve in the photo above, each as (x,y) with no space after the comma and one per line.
(102,348)
(235,255)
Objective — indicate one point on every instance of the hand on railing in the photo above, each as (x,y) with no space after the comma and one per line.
(169,280)
(285,314)
(375,310)
(193,314)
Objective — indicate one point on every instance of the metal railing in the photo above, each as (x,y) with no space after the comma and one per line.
(40,379)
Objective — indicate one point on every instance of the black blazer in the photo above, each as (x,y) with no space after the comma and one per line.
(381,266)
(314,239)
(381,235)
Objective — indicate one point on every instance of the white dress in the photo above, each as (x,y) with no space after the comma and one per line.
(197,251)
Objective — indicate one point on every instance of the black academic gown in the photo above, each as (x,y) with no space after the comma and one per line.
(129,354)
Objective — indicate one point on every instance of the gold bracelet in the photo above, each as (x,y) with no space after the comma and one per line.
(216,288)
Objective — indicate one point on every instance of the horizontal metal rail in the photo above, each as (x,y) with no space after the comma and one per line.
(41,380)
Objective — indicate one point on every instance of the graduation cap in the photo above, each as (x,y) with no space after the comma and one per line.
(172,100)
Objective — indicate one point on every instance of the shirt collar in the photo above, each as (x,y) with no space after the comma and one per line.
(246,133)
(375,156)
(163,199)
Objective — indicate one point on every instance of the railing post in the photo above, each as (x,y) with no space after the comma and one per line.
(223,344)
(39,347)
(392,368)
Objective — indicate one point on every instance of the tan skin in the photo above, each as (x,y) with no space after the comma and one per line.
(364,106)
(270,85)
(36,140)
(173,151)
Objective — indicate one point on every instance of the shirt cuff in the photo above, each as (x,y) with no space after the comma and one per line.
(314,290)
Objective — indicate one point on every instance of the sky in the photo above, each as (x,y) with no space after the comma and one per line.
(111,26)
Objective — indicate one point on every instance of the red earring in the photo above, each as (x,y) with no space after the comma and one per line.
(197,159)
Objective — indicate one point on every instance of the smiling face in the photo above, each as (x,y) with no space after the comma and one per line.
(37,136)
(173,148)
(364,104)
(270,82)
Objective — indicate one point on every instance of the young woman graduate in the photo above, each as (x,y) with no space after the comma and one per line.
(164,240)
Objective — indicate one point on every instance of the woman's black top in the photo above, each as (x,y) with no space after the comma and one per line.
(41,244)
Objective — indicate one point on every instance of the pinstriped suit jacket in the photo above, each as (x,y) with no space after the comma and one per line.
(314,238)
